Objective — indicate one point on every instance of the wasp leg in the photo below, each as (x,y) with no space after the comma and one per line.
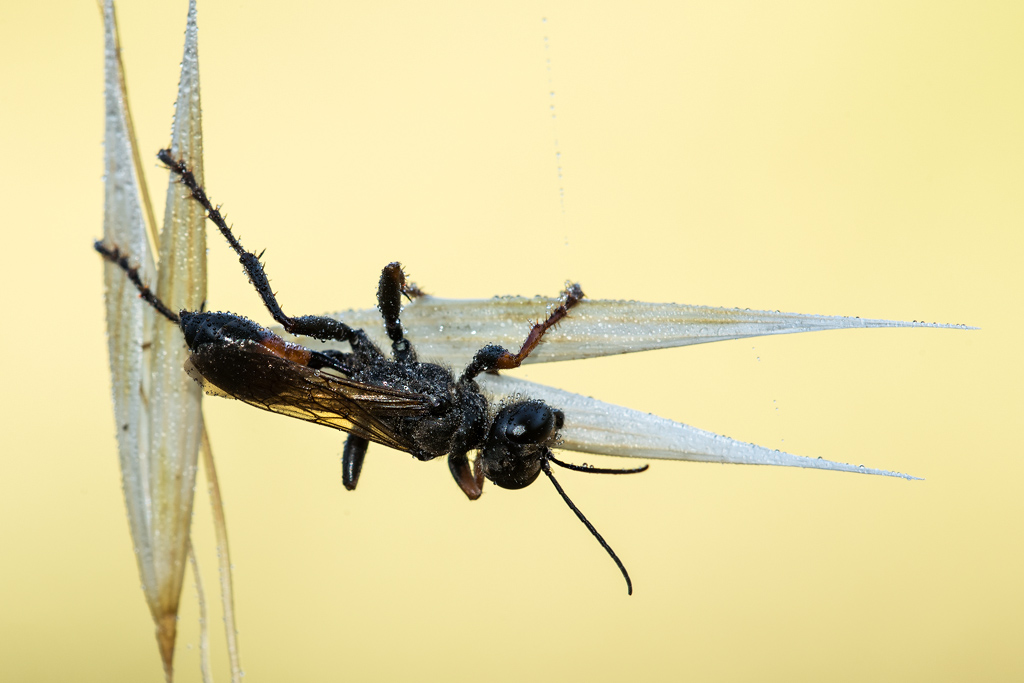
(493,357)
(320,327)
(344,363)
(352,460)
(469,478)
(389,300)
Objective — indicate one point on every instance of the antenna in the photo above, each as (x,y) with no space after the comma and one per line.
(115,257)
(604,544)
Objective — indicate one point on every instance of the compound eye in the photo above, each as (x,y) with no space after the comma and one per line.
(530,423)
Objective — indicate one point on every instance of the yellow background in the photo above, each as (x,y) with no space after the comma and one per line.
(844,158)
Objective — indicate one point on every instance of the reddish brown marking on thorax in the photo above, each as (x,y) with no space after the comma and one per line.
(287,350)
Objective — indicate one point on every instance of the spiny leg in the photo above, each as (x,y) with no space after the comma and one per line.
(335,360)
(604,544)
(114,256)
(494,357)
(345,363)
(410,290)
(352,460)
(389,300)
(320,327)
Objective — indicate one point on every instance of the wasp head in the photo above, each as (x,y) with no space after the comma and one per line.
(518,443)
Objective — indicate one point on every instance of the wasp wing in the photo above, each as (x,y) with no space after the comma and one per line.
(251,373)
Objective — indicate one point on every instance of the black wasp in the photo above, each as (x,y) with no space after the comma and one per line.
(420,408)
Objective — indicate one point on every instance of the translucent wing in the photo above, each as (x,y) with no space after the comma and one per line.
(249,372)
